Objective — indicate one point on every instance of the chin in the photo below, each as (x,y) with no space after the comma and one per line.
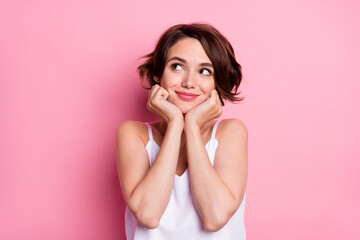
(186,109)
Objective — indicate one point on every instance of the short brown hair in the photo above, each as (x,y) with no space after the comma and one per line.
(227,71)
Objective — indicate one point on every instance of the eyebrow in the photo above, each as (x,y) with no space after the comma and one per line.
(184,61)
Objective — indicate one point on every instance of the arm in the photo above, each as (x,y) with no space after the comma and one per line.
(217,190)
(147,190)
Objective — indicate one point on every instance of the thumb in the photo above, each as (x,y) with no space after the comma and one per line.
(214,94)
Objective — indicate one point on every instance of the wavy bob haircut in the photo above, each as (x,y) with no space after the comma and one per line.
(227,71)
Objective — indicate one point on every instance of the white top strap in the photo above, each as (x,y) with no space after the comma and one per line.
(149,131)
(214,129)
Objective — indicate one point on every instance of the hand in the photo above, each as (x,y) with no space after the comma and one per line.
(206,111)
(157,104)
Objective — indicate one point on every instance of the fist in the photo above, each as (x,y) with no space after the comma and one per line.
(158,104)
(206,111)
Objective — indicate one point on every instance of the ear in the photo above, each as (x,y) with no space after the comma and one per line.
(156,79)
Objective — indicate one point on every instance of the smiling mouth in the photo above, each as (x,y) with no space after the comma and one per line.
(186,96)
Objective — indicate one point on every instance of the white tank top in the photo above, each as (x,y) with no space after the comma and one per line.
(180,219)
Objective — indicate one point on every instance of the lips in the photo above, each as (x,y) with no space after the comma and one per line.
(186,96)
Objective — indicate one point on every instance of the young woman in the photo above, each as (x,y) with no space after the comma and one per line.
(184,177)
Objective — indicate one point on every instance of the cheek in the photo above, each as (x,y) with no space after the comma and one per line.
(209,86)
(167,81)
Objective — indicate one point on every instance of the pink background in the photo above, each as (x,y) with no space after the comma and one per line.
(68,79)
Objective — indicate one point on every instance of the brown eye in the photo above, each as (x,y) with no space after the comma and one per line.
(205,71)
(176,66)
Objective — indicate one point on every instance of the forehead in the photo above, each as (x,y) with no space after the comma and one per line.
(190,49)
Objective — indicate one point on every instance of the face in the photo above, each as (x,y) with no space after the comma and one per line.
(188,74)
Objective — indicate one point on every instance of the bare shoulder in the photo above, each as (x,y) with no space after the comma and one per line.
(232,127)
(130,125)
(131,129)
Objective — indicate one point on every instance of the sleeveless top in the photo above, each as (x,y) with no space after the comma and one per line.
(180,219)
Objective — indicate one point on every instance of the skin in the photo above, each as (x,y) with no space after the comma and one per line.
(188,104)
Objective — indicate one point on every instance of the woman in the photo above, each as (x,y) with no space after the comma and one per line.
(184,177)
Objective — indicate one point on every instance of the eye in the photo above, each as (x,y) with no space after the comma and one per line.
(205,71)
(176,66)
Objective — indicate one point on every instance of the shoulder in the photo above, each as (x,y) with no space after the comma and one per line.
(131,129)
(130,125)
(232,127)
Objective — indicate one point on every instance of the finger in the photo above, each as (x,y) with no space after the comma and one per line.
(216,96)
(214,93)
(217,101)
(153,90)
(158,95)
(212,99)
(161,93)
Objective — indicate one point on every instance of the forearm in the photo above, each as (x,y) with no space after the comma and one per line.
(150,197)
(212,198)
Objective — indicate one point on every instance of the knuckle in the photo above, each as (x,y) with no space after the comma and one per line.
(152,102)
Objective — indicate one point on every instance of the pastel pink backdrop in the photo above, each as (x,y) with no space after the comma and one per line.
(68,79)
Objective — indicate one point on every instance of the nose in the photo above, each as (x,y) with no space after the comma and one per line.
(189,80)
